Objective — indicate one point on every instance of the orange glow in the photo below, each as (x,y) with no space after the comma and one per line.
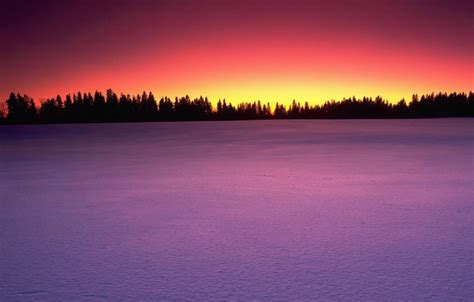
(284,61)
(274,72)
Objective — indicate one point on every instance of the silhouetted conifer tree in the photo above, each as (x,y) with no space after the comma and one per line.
(87,108)
(21,109)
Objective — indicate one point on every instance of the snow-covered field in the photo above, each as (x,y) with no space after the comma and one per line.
(362,210)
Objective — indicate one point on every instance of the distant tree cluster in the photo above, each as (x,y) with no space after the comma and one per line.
(89,108)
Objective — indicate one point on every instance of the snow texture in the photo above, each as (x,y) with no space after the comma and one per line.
(358,210)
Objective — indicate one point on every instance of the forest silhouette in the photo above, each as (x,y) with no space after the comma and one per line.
(98,108)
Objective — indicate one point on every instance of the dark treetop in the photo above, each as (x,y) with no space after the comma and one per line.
(89,108)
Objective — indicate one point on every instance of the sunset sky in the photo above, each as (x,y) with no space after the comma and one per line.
(239,50)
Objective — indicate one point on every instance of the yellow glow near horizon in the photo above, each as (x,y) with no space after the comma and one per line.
(285,91)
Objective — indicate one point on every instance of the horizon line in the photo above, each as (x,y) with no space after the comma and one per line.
(286,103)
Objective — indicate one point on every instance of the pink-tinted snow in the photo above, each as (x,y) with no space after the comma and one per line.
(378,210)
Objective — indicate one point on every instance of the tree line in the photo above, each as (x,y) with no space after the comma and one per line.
(97,107)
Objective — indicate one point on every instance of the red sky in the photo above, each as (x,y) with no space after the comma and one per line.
(239,50)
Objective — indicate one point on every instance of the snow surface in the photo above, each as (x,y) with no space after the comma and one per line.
(361,210)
